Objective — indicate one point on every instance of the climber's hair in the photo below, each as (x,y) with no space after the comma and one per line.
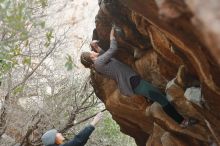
(86,59)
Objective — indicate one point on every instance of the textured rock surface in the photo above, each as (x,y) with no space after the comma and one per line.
(164,39)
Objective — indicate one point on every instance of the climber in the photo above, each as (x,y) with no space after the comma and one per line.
(53,138)
(129,82)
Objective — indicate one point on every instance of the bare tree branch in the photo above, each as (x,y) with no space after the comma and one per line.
(3,110)
(30,130)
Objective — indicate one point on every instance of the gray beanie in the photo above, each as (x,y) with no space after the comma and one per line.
(49,137)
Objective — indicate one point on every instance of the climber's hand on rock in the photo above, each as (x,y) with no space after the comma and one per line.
(95,46)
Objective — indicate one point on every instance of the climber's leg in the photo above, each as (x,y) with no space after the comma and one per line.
(147,90)
(171,111)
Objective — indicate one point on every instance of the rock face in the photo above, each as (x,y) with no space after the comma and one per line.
(165,40)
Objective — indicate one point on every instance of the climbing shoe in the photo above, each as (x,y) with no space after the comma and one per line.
(188,122)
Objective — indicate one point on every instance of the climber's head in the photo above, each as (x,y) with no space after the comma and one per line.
(88,58)
(52,137)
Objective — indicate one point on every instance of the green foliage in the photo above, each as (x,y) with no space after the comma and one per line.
(19,89)
(26,61)
(69,62)
(17,21)
(49,36)
(111,128)
(15,16)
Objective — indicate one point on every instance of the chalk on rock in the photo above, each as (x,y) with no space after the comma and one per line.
(194,95)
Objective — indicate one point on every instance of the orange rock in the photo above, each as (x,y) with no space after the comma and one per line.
(162,50)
